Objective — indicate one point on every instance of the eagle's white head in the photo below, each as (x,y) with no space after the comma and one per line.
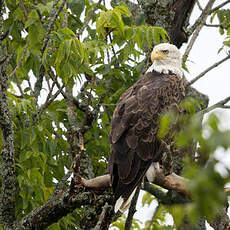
(166,58)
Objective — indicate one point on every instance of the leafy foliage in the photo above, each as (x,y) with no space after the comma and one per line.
(91,54)
(61,53)
(223,16)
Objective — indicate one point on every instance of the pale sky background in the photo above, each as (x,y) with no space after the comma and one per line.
(215,84)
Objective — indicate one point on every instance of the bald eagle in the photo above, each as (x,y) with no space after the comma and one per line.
(135,146)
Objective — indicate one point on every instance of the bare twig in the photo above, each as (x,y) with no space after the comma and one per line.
(220,104)
(88,18)
(102,217)
(208,69)
(53,16)
(202,18)
(199,5)
(30,86)
(226,107)
(196,28)
(21,59)
(213,25)
(219,6)
(64,94)
(24,10)
(49,100)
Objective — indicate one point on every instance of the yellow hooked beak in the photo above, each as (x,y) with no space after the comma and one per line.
(157,55)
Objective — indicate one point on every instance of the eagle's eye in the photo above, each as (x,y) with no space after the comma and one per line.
(165,51)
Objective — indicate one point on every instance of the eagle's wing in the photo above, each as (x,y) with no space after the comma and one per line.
(133,136)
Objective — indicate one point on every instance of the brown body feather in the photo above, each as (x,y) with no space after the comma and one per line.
(133,136)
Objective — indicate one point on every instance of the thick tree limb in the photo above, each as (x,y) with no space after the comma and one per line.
(172,181)
(100,182)
(54,209)
(8,191)
(64,200)
(8,183)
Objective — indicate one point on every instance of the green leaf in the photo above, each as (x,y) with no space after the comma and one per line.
(54,226)
(32,18)
(76,6)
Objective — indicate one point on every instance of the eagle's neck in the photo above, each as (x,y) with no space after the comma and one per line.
(166,67)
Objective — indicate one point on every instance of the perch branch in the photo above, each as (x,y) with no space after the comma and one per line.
(208,69)
(99,182)
(172,181)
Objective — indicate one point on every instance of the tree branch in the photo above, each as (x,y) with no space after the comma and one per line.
(8,185)
(8,182)
(21,59)
(208,69)
(220,104)
(55,208)
(219,6)
(88,18)
(53,16)
(202,18)
(172,182)
(196,28)
(199,5)
(75,101)
(132,210)
(102,217)
(49,100)
(158,193)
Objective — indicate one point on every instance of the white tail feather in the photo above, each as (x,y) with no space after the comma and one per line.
(118,204)
(122,205)
(151,172)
